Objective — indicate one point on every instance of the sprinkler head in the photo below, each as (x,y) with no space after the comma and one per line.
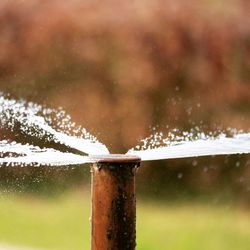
(115,158)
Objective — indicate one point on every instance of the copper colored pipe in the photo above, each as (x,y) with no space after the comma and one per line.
(114,202)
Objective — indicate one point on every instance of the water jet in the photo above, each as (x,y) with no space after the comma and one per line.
(113,219)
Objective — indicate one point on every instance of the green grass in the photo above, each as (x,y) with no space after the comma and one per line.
(63,223)
(192,227)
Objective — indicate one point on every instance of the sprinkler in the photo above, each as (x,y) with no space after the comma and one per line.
(113,222)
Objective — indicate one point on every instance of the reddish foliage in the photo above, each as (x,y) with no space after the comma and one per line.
(120,67)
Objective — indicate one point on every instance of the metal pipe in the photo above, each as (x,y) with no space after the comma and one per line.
(113,223)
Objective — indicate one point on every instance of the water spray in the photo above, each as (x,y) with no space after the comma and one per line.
(113,219)
(113,176)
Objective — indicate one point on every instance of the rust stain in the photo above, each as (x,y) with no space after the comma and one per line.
(113,206)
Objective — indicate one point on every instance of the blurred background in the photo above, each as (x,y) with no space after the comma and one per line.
(123,70)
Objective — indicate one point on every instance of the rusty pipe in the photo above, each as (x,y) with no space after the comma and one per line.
(113,220)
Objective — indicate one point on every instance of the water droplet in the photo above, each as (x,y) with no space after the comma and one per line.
(180,175)
(237,164)
(194,163)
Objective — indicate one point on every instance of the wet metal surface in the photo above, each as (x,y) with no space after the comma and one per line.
(115,158)
(114,203)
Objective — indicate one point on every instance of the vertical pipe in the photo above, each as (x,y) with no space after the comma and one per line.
(114,203)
